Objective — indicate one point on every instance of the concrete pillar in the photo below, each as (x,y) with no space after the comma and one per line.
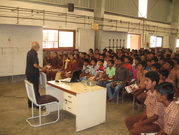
(174,23)
(99,13)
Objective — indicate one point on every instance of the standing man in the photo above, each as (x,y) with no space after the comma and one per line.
(33,68)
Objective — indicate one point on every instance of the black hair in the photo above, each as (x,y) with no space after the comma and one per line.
(156,65)
(102,55)
(136,55)
(163,58)
(152,53)
(91,49)
(164,72)
(60,55)
(168,56)
(129,58)
(138,58)
(48,52)
(77,55)
(110,57)
(148,60)
(56,53)
(154,59)
(121,59)
(72,54)
(101,60)
(96,49)
(143,63)
(105,49)
(153,76)
(109,51)
(166,89)
(86,60)
(112,61)
(115,55)
(65,55)
(171,63)
(95,60)
(175,59)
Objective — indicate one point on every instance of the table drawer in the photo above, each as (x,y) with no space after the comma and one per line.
(69,97)
(70,103)
(71,108)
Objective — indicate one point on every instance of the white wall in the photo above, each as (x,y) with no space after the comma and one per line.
(113,35)
(15,42)
(85,39)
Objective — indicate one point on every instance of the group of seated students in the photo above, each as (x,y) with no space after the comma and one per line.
(156,73)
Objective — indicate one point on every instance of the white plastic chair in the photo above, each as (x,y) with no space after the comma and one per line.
(43,80)
(43,100)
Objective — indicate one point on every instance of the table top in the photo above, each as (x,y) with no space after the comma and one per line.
(74,88)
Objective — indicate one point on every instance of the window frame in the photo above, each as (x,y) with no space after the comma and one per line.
(162,42)
(176,43)
(61,48)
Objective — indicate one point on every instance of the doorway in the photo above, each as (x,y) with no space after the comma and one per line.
(133,41)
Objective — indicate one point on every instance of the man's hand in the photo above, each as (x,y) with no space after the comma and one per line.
(136,125)
(113,84)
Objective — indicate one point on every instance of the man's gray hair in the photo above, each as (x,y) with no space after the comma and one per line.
(34,44)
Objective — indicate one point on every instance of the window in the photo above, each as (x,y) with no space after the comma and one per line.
(58,39)
(156,41)
(177,43)
(65,39)
(142,8)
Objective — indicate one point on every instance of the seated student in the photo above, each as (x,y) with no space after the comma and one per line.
(137,60)
(151,117)
(92,70)
(63,68)
(87,56)
(169,66)
(141,74)
(109,76)
(127,64)
(72,66)
(148,65)
(90,50)
(163,75)
(60,61)
(115,57)
(143,57)
(120,79)
(86,68)
(165,94)
(104,51)
(47,59)
(80,60)
(105,62)
(97,55)
(91,54)
(176,79)
(52,72)
(100,70)
(139,93)
(175,61)
(96,51)
(54,61)
(162,62)
(154,60)
(155,67)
